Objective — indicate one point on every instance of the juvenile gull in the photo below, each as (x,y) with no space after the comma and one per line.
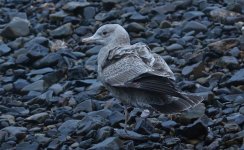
(135,75)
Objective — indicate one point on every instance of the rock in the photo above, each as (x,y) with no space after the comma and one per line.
(91,63)
(228,61)
(18,132)
(115,118)
(75,6)
(137,17)
(170,141)
(111,143)
(85,106)
(36,50)
(237,78)
(131,135)
(35,86)
(174,47)
(164,9)
(149,145)
(68,127)
(144,126)
(193,14)
(194,26)
(38,118)
(109,4)
(223,45)
(222,14)
(16,28)
(104,133)
(49,60)
(40,71)
(168,124)
(20,84)
(192,131)
(4,49)
(135,27)
(89,123)
(58,15)
(107,16)
(62,31)
(193,113)
(89,12)
(42,139)
(231,127)
(27,146)
(56,88)
(196,70)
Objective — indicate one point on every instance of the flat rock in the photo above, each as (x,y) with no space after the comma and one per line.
(164,9)
(75,6)
(38,118)
(18,132)
(224,45)
(237,78)
(228,61)
(62,31)
(35,86)
(195,69)
(49,60)
(111,143)
(4,49)
(68,127)
(85,106)
(194,26)
(27,146)
(16,28)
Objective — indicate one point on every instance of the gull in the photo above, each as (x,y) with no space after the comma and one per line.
(135,75)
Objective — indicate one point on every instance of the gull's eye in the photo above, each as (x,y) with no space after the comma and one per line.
(104,33)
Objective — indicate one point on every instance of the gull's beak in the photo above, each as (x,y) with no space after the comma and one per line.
(91,39)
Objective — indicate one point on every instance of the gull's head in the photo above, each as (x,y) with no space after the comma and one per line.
(109,35)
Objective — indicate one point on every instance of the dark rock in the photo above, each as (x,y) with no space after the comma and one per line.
(56,88)
(164,9)
(109,4)
(38,118)
(192,131)
(36,50)
(237,78)
(135,27)
(91,63)
(20,84)
(193,113)
(89,12)
(148,145)
(36,86)
(228,61)
(68,127)
(27,146)
(136,17)
(174,47)
(144,126)
(196,70)
(58,15)
(104,133)
(18,132)
(4,49)
(194,26)
(168,124)
(113,14)
(82,30)
(131,135)
(16,28)
(193,14)
(49,60)
(62,31)
(40,71)
(115,118)
(89,123)
(231,127)
(111,143)
(76,73)
(170,141)
(54,144)
(85,106)
(223,45)
(75,6)
(105,113)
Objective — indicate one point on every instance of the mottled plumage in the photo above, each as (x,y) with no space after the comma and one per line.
(135,75)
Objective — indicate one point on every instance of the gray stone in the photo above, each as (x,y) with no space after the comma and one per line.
(36,86)
(38,118)
(27,146)
(62,31)
(194,26)
(75,6)
(68,127)
(174,47)
(49,60)
(135,27)
(104,133)
(18,132)
(195,69)
(115,118)
(86,106)
(237,78)
(20,84)
(56,88)
(111,143)
(16,28)
(228,61)
(164,9)
(4,49)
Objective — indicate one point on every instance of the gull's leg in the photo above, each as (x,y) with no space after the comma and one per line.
(126,117)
